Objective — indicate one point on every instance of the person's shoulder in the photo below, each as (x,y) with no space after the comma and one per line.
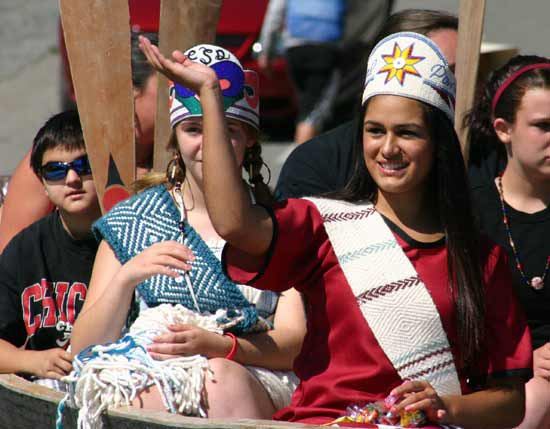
(318,166)
(297,207)
(28,239)
(484,194)
(35,230)
(492,254)
(321,147)
(128,206)
(153,192)
(152,206)
(321,207)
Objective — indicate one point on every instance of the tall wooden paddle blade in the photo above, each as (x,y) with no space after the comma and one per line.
(97,37)
(183,24)
(470,30)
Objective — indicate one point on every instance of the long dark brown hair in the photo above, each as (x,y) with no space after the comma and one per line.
(482,137)
(451,200)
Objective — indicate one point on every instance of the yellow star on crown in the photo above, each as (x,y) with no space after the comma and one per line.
(399,63)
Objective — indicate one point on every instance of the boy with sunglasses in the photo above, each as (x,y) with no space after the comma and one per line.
(46,268)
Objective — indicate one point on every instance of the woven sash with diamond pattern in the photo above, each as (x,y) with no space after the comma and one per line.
(152,216)
(393,299)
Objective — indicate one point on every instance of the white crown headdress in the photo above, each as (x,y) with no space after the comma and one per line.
(411,65)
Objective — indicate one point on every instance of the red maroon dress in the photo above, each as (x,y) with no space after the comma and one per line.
(341,362)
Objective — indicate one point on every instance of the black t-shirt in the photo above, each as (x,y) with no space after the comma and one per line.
(44,276)
(323,164)
(531,235)
(485,163)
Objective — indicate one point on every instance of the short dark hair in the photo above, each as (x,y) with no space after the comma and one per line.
(61,130)
(422,21)
(141,69)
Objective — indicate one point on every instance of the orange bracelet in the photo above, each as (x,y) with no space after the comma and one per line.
(233,351)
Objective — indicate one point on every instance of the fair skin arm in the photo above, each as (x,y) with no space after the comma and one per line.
(51,363)
(501,405)
(235,219)
(112,288)
(275,349)
(541,362)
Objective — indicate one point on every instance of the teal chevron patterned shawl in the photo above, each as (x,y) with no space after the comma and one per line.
(152,216)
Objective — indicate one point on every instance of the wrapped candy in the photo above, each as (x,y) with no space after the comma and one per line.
(413,419)
(367,414)
(379,413)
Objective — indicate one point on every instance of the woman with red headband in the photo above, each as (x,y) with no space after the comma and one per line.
(514,210)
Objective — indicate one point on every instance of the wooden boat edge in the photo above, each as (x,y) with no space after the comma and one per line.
(23,394)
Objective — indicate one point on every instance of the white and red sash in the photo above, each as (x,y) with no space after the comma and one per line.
(393,299)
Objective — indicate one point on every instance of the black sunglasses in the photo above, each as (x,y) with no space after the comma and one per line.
(57,170)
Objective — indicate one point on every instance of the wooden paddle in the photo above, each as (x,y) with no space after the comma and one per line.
(97,37)
(470,30)
(183,24)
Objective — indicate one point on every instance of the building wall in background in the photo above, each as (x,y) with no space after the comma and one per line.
(523,24)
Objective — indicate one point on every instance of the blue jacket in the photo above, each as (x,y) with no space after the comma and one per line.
(316,20)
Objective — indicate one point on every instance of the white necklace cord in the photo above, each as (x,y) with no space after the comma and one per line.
(178,197)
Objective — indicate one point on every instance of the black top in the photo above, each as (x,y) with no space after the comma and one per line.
(531,235)
(485,163)
(44,276)
(320,165)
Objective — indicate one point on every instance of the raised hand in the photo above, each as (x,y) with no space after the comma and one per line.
(420,395)
(161,258)
(182,70)
(188,340)
(51,363)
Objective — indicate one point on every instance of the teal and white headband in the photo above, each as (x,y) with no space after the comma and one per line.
(240,88)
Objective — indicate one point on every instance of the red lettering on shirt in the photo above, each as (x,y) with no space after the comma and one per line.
(61,289)
(48,305)
(42,310)
(32,321)
(78,291)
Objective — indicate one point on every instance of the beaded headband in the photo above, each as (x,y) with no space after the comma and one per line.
(511,80)
(239,88)
(411,65)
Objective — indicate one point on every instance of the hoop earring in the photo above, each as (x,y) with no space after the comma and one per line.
(174,170)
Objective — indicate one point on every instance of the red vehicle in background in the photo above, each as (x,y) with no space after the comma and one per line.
(238,30)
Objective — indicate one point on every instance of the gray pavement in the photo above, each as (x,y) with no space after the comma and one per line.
(29,65)
(28,74)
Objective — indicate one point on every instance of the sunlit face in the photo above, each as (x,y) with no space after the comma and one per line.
(529,136)
(74,194)
(189,136)
(145,107)
(398,151)
(447,41)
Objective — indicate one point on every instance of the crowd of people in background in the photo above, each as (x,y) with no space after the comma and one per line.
(381,265)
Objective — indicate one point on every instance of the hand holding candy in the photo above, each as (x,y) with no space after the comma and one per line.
(419,395)
(379,412)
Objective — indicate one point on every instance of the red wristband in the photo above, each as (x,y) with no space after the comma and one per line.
(233,351)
